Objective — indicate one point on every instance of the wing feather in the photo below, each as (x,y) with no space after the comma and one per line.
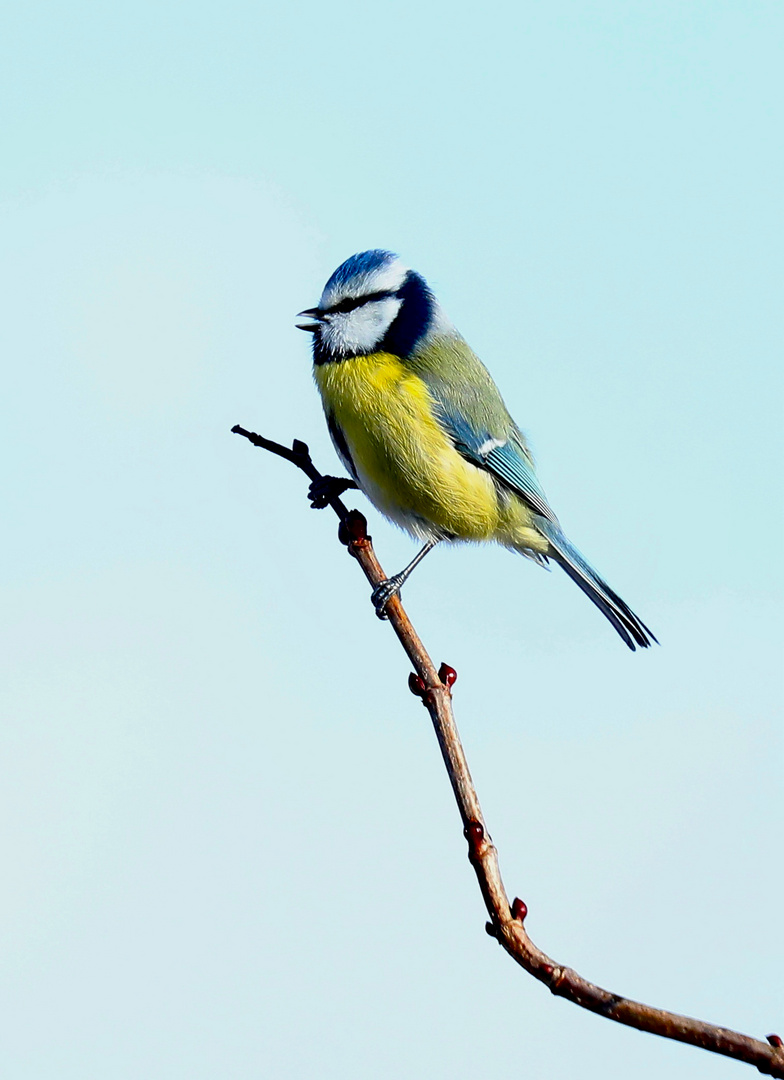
(470,409)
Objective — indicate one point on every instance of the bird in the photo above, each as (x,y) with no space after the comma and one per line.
(423,431)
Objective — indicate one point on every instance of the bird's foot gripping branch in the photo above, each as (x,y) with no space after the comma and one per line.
(506,920)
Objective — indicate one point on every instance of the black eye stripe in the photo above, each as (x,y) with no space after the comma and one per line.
(350,303)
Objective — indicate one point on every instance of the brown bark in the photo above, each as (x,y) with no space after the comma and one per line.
(506,924)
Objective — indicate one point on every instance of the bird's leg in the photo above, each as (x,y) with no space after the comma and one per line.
(385,590)
(328,487)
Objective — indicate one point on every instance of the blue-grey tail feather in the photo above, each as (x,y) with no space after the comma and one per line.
(631,629)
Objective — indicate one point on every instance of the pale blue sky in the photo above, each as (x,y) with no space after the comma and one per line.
(229,847)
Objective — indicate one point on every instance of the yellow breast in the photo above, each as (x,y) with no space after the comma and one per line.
(406,464)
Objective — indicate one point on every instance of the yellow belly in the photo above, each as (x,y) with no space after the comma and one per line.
(406,464)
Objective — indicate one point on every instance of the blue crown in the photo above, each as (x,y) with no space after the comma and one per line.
(365,262)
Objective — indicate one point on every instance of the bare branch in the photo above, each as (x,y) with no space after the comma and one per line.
(506,924)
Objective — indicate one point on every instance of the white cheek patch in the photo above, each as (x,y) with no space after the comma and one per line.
(361,330)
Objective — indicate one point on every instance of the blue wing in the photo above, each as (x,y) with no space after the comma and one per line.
(510,462)
(506,458)
(472,413)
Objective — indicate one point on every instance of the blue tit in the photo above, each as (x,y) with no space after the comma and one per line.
(423,430)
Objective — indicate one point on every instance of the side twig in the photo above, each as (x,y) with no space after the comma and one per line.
(506,925)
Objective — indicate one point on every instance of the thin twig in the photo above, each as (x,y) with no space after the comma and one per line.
(507,920)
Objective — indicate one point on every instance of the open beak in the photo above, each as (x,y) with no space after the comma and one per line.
(311,313)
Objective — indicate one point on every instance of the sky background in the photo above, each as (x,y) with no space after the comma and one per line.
(229,847)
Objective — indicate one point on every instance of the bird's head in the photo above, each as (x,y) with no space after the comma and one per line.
(372,303)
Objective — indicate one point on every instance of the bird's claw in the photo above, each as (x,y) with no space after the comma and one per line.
(322,491)
(384,592)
